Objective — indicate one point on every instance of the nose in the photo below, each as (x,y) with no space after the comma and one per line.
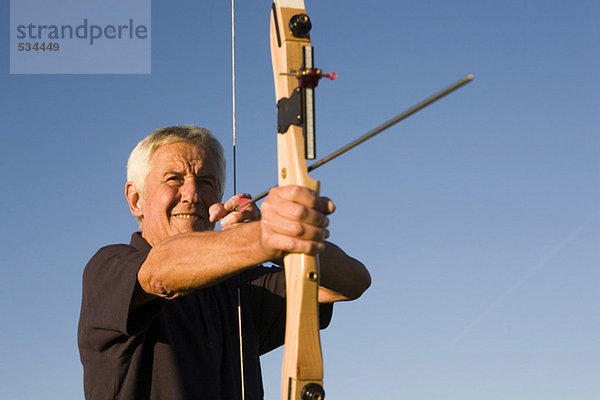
(189,191)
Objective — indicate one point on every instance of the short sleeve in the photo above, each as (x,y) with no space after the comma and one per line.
(109,286)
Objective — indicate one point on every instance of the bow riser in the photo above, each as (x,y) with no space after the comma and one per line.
(302,360)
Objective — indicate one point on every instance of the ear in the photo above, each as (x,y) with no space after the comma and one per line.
(135,200)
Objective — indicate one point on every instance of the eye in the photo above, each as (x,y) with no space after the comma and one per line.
(207,182)
(173,179)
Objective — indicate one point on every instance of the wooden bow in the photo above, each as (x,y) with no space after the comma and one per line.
(295,79)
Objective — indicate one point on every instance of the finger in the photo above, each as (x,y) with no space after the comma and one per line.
(297,229)
(229,222)
(287,244)
(216,212)
(326,205)
(234,201)
(238,217)
(232,218)
(303,196)
(294,212)
(249,211)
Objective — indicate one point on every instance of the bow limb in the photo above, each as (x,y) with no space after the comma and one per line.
(302,372)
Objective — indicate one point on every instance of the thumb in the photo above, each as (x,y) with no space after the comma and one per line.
(216,212)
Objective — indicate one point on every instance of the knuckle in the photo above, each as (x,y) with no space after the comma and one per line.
(275,191)
(268,202)
(298,212)
(295,229)
(288,244)
(294,190)
(320,234)
(266,221)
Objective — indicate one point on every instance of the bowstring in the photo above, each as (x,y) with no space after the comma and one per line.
(239,296)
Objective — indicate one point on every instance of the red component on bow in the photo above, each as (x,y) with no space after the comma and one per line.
(309,77)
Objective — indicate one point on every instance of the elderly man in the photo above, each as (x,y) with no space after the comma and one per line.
(159,316)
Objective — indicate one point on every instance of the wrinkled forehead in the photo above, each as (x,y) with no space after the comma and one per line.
(181,154)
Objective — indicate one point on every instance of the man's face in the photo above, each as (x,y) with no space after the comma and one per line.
(181,186)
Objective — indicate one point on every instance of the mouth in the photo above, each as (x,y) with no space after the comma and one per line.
(187,216)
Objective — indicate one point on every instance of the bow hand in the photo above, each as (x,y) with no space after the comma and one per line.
(294,220)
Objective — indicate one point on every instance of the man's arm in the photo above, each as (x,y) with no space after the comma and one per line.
(188,261)
(293,220)
(343,278)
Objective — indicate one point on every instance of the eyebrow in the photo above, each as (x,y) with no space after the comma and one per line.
(172,171)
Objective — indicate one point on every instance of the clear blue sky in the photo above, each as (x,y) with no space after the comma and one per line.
(479,218)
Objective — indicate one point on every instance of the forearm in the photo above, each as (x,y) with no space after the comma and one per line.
(343,278)
(189,261)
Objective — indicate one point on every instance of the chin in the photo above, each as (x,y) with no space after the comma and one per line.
(201,226)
